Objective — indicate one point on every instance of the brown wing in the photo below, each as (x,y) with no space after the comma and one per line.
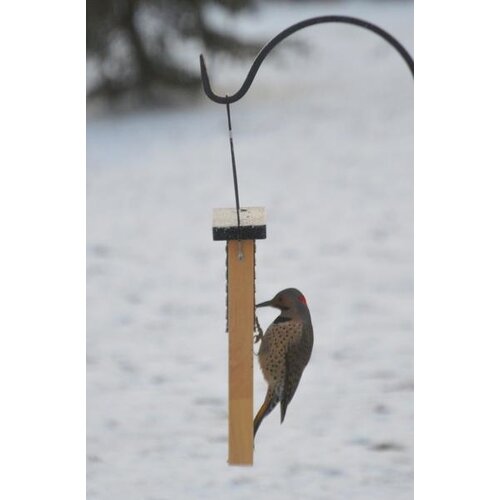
(293,372)
(296,358)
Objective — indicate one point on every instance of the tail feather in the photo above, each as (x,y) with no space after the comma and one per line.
(267,407)
(284,405)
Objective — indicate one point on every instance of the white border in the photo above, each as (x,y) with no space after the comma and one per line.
(42,273)
(457,251)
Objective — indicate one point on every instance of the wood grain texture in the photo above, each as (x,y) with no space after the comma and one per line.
(241,307)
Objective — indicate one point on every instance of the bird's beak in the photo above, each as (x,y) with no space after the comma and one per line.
(264,304)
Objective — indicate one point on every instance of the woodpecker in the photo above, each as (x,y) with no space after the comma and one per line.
(285,351)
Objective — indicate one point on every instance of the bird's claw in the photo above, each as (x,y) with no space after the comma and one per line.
(257,338)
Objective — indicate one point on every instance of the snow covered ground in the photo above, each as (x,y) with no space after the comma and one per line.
(324,141)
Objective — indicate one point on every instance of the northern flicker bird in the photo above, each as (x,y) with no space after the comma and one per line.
(285,351)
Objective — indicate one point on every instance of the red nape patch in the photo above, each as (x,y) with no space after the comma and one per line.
(302,299)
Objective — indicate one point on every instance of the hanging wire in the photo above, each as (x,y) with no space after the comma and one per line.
(235,177)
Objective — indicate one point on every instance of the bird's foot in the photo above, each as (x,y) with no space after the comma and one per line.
(257,338)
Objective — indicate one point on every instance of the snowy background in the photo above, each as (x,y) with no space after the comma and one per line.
(324,141)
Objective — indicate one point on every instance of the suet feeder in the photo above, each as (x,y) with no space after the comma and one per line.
(240,248)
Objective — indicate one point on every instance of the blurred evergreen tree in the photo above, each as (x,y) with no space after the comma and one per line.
(132,44)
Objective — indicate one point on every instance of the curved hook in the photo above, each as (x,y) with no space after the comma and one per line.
(286,33)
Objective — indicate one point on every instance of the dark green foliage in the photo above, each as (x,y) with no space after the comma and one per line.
(130,44)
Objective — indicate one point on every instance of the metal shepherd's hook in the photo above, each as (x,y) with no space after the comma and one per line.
(285,34)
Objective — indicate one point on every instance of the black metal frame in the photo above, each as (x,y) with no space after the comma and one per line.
(285,34)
